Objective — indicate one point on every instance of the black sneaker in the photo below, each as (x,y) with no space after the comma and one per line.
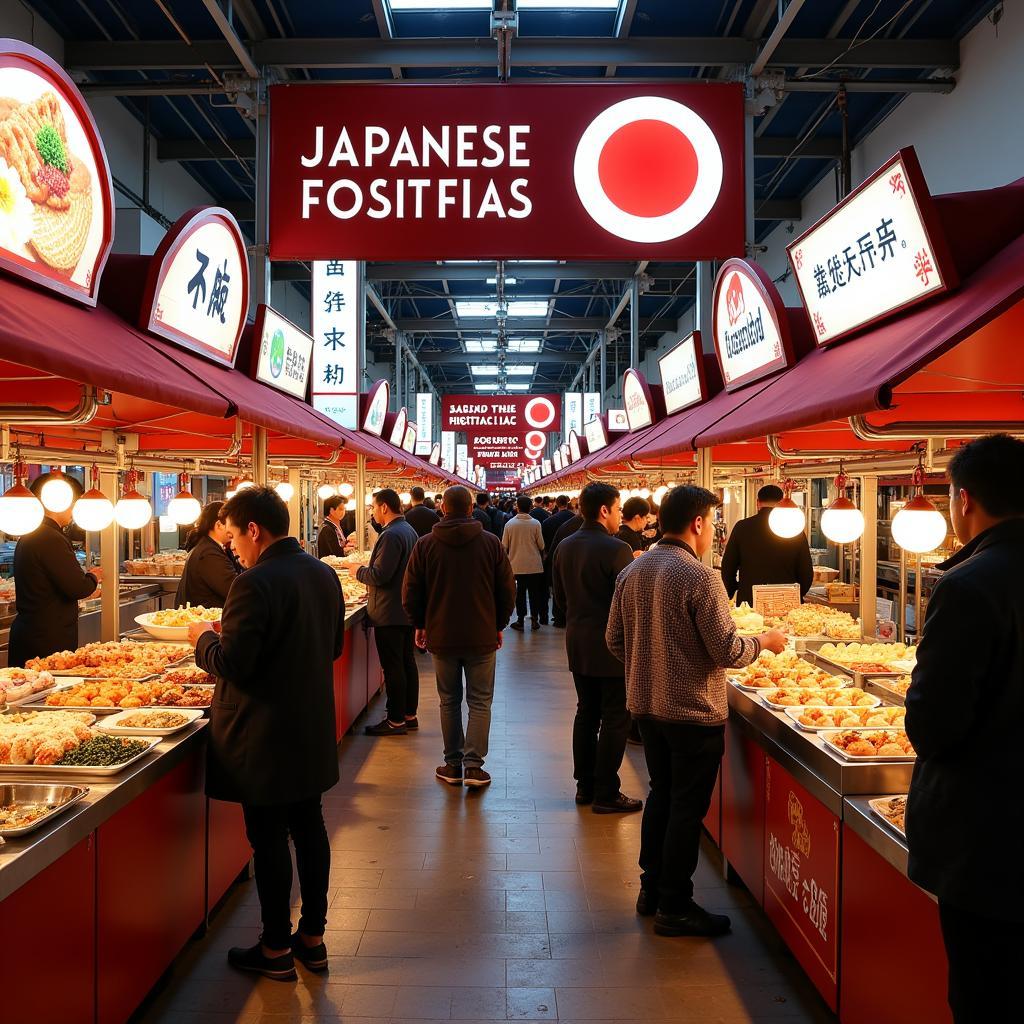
(313,958)
(693,921)
(412,724)
(277,968)
(622,804)
(450,773)
(518,624)
(647,903)
(385,728)
(476,777)
(584,796)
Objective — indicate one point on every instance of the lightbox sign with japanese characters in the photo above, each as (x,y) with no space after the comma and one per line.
(879,251)
(801,876)
(448,449)
(395,426)
(591,405)
(573,411)
(282,354)
(682,374)
(751,327)
(596,435)
(575,448)
(197,289)
(56,199)
(425,416)
(336,319)
(519,413)
(542,171)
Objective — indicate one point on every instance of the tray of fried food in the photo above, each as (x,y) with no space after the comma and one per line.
(893,689)
(26,806)
(188,675)
(747,621)
(773,671)
(150,721)
(869,744)
(121,659)
(811,621)
(105,696)
(353,591)
(815,719)
(21,685)
(41,740)
(806,697)
(892,810)
(868,658)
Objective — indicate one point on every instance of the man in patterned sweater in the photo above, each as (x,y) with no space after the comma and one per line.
(670,625)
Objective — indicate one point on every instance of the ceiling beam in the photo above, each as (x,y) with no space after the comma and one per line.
(636,51)
(222,20)
(526,325)
(774,41)
(460,358)
(757,21)
(876,85)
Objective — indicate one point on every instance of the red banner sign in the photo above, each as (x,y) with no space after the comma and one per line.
(506,414)
(513,171)
(801,876)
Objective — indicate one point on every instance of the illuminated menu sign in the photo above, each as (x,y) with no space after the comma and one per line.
(682,374)
(282,353)
(597,437)
(336,315)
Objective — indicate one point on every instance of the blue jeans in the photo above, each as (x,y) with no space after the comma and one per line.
(465,749)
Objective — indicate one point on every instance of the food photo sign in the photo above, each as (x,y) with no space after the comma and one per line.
(283,354)
(56,199)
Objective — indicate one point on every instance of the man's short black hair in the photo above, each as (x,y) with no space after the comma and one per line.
(770,493)
(483,499)
(991,471)
(523,503)
(458,502)
(331,503)
(562,501)
(547,499)
(418,494)
(390,499)
(594,497)
(260,505)
(538,500)
(636,507)
(683,504)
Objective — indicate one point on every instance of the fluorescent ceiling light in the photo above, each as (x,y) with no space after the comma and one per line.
(486,345)
(518,387)
(492,370)
(440,5)
(476,308)
(508,280)
(527,345)
(487,387)
(489,307)
(527,307)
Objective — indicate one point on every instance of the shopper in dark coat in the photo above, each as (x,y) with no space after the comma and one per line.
(965,815)
(459,593)
(392,630)
(209,569)
(420,517)
(549,527)
(754,555)
(634,520)
(272,744)
(539,512)
(331,538)
(566,529)
(585,568)
(48,583)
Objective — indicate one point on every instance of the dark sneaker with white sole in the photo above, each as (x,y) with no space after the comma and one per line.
(621,804)
(276,968)
(450,773)
(387,728)
(412,724)
(313,958)
(694,920)
(476,777)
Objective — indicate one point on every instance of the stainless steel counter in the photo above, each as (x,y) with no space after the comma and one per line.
(22,859)
(862,820)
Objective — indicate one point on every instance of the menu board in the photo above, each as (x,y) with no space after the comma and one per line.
(776,599)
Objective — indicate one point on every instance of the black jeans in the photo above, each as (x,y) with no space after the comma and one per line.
(599,734)
(683,761)
(984,956)
(268,829)
(397,652)
(531,584)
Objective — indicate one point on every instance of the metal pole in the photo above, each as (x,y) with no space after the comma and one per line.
(634,322)
(295,517)
(603,342)
(918,597)
(705,479)
(399,376)
(748,166)
(110,564)
(360,503)
(705,287)
(869,554)
(902,620)
(259,455)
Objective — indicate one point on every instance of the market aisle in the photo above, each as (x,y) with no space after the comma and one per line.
(502,904)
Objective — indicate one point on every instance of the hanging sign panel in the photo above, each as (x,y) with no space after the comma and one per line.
(409,441)
(435,454)
(644,402)
(596,435)
(282,353)
(618,421)
(425,415)
(682,374)
(573,411)
(507,413)
(335,315)
(532,171)
(880,251)
(56,198)
(375,408)
(591,406)
(197,289)
(751,326)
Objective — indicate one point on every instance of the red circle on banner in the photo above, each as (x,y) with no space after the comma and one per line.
(648,168)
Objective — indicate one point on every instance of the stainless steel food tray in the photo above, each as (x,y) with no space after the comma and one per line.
(789,713)
(110,709)
(62,797)
(839,689)
(876,804)
(876,685)
(68,769)
(825,737)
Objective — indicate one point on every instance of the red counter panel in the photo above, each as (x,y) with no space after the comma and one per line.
(743,809)
(227,849)
(887,920)
(801,871)
(150,891)
(342,686)
(49,948)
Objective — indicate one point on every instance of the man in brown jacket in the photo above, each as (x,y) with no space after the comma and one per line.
(670,625)
(459,592)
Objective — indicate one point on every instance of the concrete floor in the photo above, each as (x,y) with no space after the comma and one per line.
(502,904)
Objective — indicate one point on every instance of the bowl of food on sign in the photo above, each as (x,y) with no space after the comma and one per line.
(173,623)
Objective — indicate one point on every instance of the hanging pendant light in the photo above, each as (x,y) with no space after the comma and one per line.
(325,491)
(405,498)
(350,505)
(133,510)
(21,511)
(57,494)
(787,519)
(919,526)
(346,490)
(659,494)
(285,491)
(93,511)
(184,507)
(842,522)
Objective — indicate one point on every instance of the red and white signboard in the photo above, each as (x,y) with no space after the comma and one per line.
(618,421)
(556,171)
(643,401)
(682,374)
(751,326)
(56,198)
(498,448)
(197,291)
(506,413)
(546,469)
(596,434)
(282,353)
(395,426)
(375,408)
(878,252)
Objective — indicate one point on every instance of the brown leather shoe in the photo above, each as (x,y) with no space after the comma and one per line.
(622,804)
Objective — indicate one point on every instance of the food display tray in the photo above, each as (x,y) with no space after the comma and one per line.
(825,735)
(61,770)
(111,709)
(111,728)
(794,713)
(32,697)
(876,685)
(791,707)
(76,674)
(876,808)
(62,797)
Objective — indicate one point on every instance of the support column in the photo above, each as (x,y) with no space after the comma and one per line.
(360,496)
(703,318)
(399,371)
(748,166)
(110,564)
(634,323)
(705,479)
(603,355)
(295,517)
(259,455)
(869,554)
